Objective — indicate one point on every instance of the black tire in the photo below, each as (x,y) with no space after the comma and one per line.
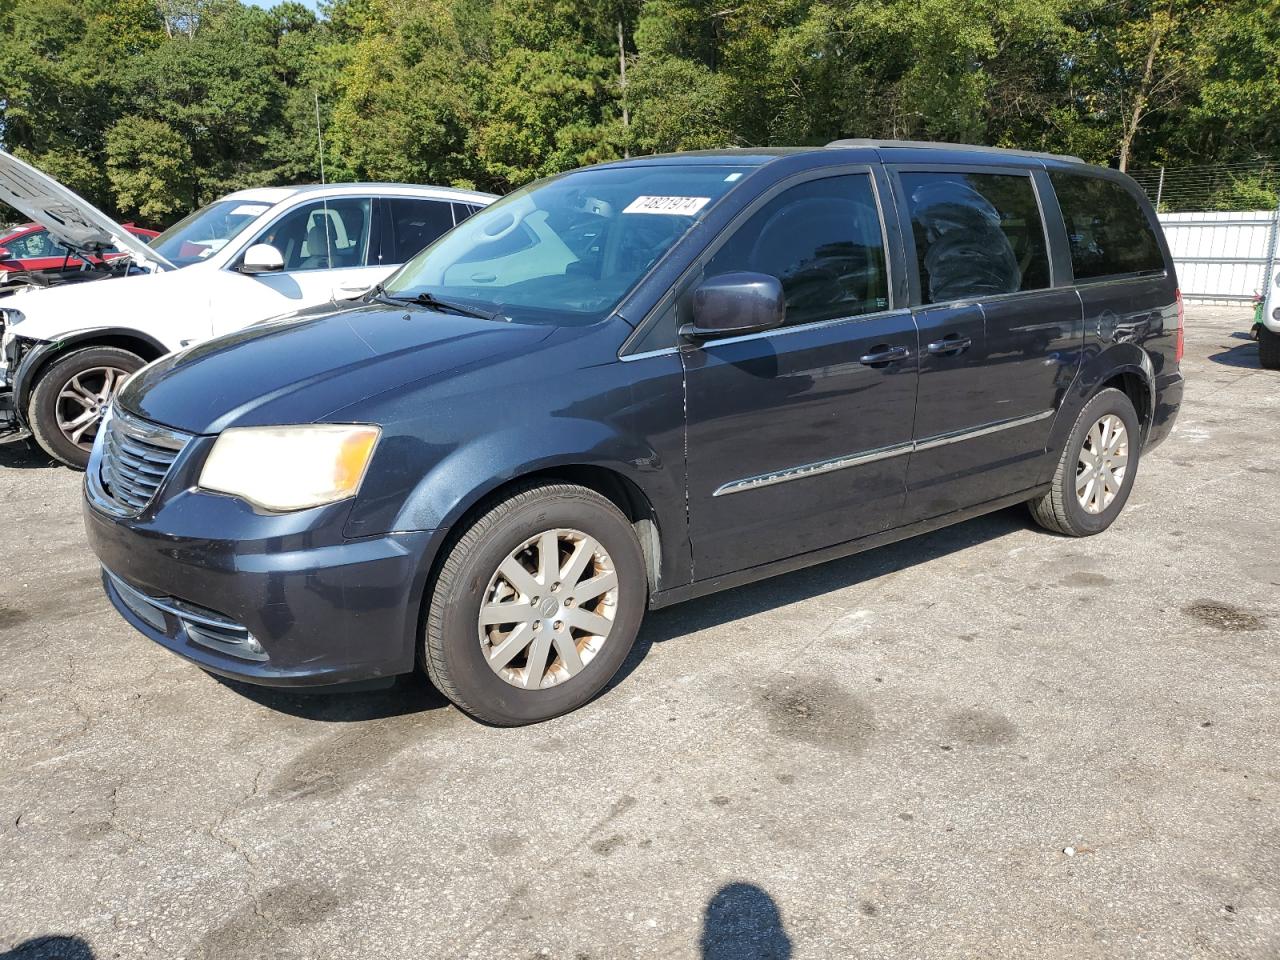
(42,412)
(1060,509)
(451,648)
(1268,349)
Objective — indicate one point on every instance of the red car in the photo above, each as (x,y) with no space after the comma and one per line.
(30,247)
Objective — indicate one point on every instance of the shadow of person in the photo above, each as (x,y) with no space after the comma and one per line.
(50,948)
(742,922)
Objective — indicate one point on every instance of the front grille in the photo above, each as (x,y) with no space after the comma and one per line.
(136,457)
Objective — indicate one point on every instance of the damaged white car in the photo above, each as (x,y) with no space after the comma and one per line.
(251,255)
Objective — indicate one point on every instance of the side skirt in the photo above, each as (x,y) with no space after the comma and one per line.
(701,588)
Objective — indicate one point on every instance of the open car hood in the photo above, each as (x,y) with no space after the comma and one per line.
(70,220)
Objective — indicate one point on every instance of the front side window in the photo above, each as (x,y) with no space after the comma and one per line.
(822,240)
(976,234)
(203,233)
(566,250)
(1109,233)
(324,235)
(414,224)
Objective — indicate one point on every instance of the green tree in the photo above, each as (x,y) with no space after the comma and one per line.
(150,168)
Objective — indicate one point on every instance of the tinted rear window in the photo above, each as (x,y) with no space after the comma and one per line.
(1109,231)
(977,234)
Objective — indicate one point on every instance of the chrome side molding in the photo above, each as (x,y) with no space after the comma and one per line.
(870,456)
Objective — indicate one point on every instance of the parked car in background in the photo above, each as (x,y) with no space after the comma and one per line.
(1267,325)
(631,385)
(32,248)
(251,255)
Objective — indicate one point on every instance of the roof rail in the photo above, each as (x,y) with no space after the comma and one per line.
(939,145)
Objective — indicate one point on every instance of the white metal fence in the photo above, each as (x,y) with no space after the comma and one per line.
(1223,257)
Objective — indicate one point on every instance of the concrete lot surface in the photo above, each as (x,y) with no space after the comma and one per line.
(988,742)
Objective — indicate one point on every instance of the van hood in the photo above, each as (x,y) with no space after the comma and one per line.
(305,366)
(71,220)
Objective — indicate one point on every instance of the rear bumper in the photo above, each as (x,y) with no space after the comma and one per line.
(276,610)
(1168,401)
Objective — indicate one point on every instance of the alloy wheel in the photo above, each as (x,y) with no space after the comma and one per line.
(83,400)
(1104,459)
(548,609)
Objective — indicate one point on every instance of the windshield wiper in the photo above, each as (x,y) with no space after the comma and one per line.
(430,300)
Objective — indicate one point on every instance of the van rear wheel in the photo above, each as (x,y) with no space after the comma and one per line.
(71,396)
(1096,470)
(536,605)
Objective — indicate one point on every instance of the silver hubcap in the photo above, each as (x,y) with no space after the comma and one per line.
(1104,460)
(83,400)
(548,609)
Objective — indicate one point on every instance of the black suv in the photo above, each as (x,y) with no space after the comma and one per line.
(631,385)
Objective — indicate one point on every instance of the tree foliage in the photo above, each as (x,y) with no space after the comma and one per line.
(151,107)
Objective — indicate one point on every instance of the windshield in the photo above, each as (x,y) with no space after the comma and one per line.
(203,233)
(565,251)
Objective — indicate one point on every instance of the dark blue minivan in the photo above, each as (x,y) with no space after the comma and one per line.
(631,385)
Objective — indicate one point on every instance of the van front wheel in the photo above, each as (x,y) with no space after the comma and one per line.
(536,605)
(71,396)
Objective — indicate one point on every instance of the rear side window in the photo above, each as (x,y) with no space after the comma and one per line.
(976,234)
(1109,232)
(414,225)
(823,241)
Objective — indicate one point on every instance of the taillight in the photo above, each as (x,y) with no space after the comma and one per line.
(1182,313)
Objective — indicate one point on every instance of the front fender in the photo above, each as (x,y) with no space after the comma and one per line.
(467,473)
(42,352)
(1097,369)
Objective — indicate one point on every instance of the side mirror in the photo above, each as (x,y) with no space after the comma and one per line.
(5,254)
(736,303)
(262,258)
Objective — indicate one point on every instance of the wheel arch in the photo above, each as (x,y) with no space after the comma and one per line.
(619,489)
(1125,366)
(38,359)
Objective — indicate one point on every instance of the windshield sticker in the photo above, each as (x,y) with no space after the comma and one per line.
(679,206)
(249,210)
(732,177)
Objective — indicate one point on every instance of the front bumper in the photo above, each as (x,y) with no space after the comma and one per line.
(203,573)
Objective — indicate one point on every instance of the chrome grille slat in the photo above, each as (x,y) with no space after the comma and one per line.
(134,449)
(121,467)
(136,458)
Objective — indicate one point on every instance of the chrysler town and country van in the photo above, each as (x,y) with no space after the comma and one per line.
(630,385)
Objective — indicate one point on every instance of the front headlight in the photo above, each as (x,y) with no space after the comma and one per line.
(290,468)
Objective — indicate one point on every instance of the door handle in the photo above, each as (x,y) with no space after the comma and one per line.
(883,354)
(952,343)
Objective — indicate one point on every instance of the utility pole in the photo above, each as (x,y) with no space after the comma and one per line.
(626,113)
